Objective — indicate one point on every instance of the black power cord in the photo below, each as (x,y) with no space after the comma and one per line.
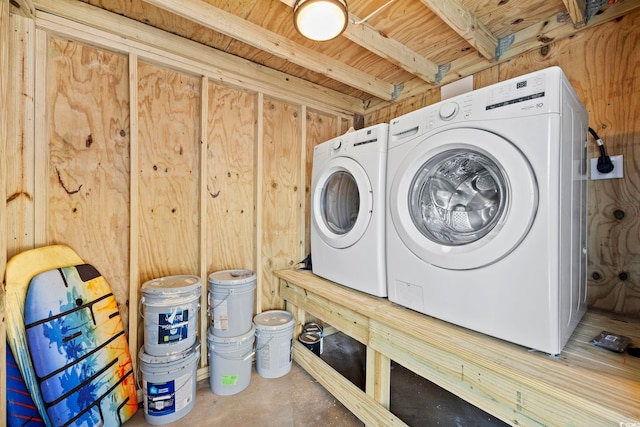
(605,165)
(633,351)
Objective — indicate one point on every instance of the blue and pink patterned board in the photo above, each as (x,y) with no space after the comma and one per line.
(78,348)
(21,268)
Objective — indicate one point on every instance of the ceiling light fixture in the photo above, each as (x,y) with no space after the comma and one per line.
(320,20)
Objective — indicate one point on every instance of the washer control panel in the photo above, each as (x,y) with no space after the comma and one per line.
(516,91)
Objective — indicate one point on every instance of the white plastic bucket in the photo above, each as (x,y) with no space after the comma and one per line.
(169,384)
(274,341)
(230,362)
(231,296)
(170,310)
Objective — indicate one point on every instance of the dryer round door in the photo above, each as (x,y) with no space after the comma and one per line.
(342,203)
(463,199)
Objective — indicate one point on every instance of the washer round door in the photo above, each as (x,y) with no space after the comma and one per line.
(342,203)
(463,199)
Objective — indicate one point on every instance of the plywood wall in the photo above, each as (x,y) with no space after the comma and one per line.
(87,187)
(148,169)
(168,172)
(231,181)
(603,66)
(282,194)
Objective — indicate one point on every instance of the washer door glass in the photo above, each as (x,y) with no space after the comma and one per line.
(462,198)
(341,202)
(457,197)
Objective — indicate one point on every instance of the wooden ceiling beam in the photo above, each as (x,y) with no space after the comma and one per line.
(247,32)
(392,50)
(466,24)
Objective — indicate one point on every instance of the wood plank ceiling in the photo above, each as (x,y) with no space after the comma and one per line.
(404,49)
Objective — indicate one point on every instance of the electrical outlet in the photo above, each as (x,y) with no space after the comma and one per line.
(617,171)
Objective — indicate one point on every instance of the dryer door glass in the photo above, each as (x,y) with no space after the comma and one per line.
(457,197)
(340,202)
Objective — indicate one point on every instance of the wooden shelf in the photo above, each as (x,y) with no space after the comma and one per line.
(584,385)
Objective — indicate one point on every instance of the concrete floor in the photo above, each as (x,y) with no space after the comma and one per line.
(297,400)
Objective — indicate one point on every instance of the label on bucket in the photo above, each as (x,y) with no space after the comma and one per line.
(166,398)
(220,315)
(173,326)
(282,355)
(229,379)
(161,398)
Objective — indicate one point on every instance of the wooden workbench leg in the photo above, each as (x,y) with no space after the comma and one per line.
(378,381)
(299,314)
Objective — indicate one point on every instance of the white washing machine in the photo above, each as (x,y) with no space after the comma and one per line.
(348,209)
(486,218)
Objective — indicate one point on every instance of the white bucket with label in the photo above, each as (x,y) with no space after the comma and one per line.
(230,362)
(169,384)
(231,296)
(170,308)
(274,341)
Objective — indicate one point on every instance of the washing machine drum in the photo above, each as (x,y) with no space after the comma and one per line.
(463,198)
(457,197)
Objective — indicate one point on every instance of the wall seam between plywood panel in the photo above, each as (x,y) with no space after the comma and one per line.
(258,179)
(134,209)
(41,141)
(20,139)
(302,183)
(204,146)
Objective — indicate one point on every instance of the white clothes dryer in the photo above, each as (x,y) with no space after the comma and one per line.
(486,217)
(348,209)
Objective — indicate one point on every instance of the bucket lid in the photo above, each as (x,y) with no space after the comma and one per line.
(211,337)
(273,319)
(312,327)
(170,358)
(231,277)
(309,337)
(171,284)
